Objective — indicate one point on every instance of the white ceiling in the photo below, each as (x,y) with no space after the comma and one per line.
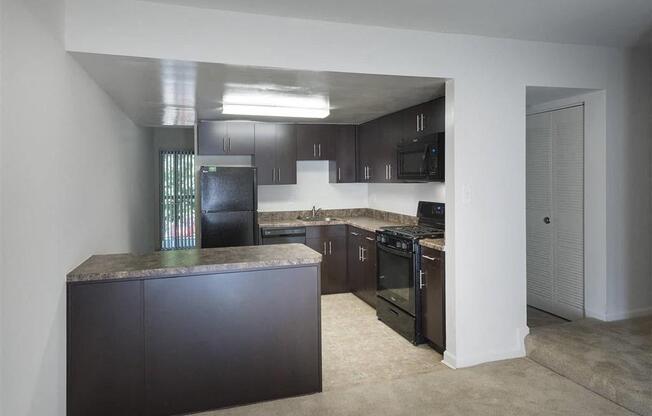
(144,88)
(593,22)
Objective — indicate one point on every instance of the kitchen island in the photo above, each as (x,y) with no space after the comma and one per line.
(179,332)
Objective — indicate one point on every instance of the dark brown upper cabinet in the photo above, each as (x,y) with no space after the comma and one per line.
(424,119)
(342,169)
(368,138)
(275,154)
(314,141)
(225,138)
(378,139)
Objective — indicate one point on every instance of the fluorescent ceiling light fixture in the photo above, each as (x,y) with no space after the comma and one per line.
(275,104)
(269,111)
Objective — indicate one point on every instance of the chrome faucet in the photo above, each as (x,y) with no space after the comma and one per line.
(315,211)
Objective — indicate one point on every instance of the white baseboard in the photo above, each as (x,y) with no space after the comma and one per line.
(634,313)
(455,362)
(449,360)
(602,316)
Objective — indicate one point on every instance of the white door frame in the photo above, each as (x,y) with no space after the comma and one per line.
(595,235)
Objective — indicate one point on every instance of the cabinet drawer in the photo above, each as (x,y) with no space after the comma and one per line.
(363,234)
(326,231)
(431,253)
(394,317)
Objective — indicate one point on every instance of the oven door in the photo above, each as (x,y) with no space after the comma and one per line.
(396,277)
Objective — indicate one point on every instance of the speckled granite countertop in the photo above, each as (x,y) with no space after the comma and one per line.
(366,223)
(186,262)
(436,243)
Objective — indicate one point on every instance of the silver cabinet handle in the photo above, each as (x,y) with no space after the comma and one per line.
(359,253)
(330,247)
(324,248)
(279,174)
(339,174)
(429,258)
(319,150)
(224,144)
(417,122)
(229,145)
(421,121)
(355,234)
(370,239)
(421,284)
(390,171)
(273,174)
(386,172)
(314,150)
(363,258)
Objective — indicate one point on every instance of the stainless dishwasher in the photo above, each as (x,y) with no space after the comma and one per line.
(283,235)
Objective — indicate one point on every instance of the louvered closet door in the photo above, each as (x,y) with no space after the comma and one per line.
(555,142)
(538,207)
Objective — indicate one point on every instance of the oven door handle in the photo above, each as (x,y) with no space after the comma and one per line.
(394,251)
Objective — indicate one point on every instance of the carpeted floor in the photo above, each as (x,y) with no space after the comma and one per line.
(537,317)
(613,359)
(508,388)
(357,348)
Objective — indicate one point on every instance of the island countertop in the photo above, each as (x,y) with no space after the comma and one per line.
(195,261)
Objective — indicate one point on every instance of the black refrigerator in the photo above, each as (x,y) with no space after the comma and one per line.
(229,206)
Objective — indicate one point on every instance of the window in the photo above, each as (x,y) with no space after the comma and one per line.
(177,199)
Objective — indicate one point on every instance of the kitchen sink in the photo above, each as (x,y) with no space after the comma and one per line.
(315,219)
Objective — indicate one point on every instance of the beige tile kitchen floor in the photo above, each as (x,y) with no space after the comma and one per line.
(357,348)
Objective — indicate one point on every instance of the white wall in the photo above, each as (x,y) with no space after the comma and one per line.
(76,179)
(404,197)
(629,181)
(312,188)
(486,165)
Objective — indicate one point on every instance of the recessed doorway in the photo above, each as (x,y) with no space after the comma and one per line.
(555,211)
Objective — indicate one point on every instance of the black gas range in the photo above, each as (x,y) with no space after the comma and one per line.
(399,254)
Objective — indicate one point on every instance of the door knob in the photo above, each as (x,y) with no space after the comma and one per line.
(546,220)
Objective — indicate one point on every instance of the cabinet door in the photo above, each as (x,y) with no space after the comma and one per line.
(286,154)
(434,116)
(313,141)
(320,245)
(369,269)
(265,153)
(211,138)
(342,170)
(337,258)
(106,349)
(367,141)
(432,297)
(354,264)
(240,138)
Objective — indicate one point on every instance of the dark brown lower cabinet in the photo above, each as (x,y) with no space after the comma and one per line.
(333,273)
(106,371)
(179,345)
(433,306)
(361,261)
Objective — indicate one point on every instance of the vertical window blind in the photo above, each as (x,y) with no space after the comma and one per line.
(177,198)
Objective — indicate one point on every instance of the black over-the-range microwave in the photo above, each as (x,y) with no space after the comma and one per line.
(421,159)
